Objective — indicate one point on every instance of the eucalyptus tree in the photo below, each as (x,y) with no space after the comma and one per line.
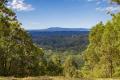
(117,1)
(18,55)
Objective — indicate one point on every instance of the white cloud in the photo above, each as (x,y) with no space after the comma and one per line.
(98,1)
(109,9)
(20,5)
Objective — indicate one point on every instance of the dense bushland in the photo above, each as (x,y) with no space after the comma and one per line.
(20,57)
(61,41)
(102,57)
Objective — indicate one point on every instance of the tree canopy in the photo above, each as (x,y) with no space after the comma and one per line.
(16,47)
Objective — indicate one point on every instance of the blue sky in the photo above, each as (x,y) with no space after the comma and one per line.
(41,14)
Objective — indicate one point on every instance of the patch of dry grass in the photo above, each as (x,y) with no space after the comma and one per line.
(48,78)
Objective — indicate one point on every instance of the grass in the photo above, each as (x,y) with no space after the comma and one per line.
(40,78)
(48,78)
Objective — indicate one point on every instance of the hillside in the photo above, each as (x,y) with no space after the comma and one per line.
(61,40)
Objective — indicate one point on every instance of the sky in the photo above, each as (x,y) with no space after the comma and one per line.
(42,14)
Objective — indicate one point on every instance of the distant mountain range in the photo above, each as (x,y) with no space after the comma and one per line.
(64,29)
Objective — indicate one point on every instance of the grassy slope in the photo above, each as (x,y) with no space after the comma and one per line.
(47,78)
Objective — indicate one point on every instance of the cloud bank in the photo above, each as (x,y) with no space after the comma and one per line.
(20,5)
(108,8)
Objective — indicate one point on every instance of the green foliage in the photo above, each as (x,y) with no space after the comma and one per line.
(71,67)
(54,65)
(91,55)
(117,1)
(102,55)
(18,55)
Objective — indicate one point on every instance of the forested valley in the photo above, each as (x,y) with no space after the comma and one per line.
(98,55)
(61,41)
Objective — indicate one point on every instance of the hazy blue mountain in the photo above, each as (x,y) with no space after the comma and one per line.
(64,29)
